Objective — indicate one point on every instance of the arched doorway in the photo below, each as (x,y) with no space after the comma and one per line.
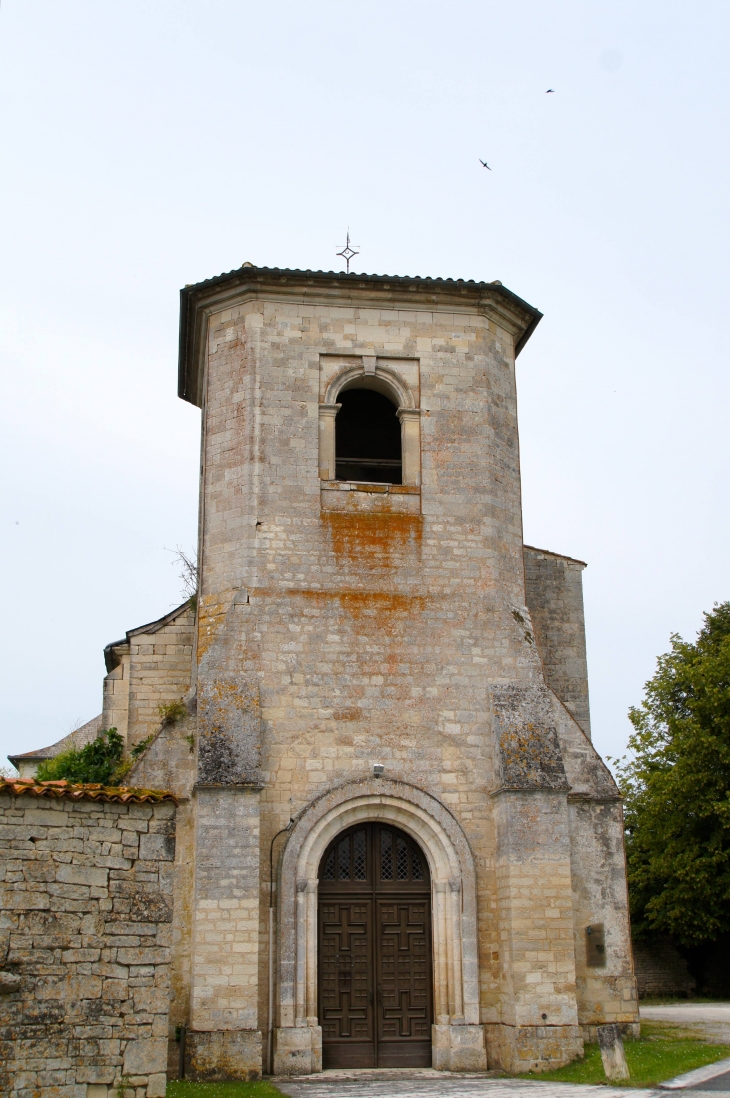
(374,956)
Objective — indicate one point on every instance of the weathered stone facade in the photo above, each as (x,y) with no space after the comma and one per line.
(406,625)
(554,596)
(343,624)
(85,917)
(150,667)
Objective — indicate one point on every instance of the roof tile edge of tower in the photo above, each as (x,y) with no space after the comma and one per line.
(194,295)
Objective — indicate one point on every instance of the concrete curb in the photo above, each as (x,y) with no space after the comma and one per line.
(699,1075)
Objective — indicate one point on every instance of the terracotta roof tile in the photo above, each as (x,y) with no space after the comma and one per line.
(109,794)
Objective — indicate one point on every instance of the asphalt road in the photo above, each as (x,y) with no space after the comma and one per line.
(720,1082)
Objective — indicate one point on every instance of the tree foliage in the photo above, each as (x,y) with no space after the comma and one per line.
(677,790)
(100,761)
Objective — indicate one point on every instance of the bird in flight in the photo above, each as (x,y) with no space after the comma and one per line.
(484,164)
(550,91)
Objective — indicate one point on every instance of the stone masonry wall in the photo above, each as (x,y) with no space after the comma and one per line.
(153,668)
(85,923)
(661,970)
(169,763)
(217,843)
(554,595)
(224,1039)
(159,671)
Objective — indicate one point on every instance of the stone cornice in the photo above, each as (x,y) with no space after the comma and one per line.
(198,302)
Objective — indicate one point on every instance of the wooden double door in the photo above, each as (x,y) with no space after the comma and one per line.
(375,984)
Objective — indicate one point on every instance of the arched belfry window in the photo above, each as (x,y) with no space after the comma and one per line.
(369,423)
(367,438)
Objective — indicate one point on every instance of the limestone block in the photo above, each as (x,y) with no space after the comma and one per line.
(229,728)
(297,1050)
(459,1048)
(83,875)
(151,1000)
(529,751)
(96,1074)
(223,1054)
(157,848)
(145,1056)
(157,1085)
(154,955)
(9,982)
(393,499)
(612,1053)
(532,1048)
(24,901)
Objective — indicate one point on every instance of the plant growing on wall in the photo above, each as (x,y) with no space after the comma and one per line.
(141,747)
(677,790)
(172,711)
(101,761)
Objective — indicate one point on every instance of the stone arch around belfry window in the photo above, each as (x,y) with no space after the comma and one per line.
(383,379)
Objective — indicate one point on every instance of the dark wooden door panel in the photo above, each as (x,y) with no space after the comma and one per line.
(345,987)
(404,994)
(375,951)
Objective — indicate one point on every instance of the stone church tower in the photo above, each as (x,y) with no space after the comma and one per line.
(396,845)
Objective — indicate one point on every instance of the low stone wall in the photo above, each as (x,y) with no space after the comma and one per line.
(85,927)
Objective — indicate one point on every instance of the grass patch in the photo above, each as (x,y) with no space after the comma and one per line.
(181,1088)
(653,1059)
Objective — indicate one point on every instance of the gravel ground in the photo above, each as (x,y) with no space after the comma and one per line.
(426,1083)
(710,1021)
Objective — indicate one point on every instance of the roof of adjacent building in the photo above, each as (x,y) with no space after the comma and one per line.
(111,660)
(216,293)
(75,740)
(109,794)
(558,556)
(88,732)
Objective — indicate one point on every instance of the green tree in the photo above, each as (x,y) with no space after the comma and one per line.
(676,786)
(100,761)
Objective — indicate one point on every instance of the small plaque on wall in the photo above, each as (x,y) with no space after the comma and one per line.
(596,944)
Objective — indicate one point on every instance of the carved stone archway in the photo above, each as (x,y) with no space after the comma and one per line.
(371,373)
(458,1038)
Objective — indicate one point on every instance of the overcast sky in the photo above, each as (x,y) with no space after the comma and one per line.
(150,144)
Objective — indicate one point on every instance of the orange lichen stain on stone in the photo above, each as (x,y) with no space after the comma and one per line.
(373,540)
(212,611)
(382,607)
(359,604)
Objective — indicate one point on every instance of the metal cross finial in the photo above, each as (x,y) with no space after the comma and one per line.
(348,253)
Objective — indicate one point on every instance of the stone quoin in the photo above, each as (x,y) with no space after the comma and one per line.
(393,832)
